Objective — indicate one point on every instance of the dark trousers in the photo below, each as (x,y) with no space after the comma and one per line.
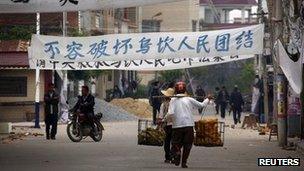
(155,110)
(236,115)
(182,138)
(217,108)
(223,109)
(167,145)
(90,117)
(51,121)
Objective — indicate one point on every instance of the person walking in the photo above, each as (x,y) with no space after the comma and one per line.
(201,96)
(236,102)
(155,102)
(222,99)
(51,99)
(217,105)
(180,111)
(162,118)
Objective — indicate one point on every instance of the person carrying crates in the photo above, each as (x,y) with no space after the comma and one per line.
(167,125)
(181,113)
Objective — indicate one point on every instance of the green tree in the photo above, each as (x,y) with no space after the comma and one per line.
(171,75)
(243,79)
(85,75)
(16,32)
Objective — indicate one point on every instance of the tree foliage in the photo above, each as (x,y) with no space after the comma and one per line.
(171,75)
(239,73)
(85,75)
(16,32)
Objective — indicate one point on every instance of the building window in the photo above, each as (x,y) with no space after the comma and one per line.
(13,86)
(150,26)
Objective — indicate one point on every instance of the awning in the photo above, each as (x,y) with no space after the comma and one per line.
(14,60)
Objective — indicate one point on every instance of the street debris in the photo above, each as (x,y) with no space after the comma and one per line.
(263,130)
(137,107)
(18,136)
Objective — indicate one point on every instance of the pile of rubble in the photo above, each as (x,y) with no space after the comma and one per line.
(111,113)
(138,107)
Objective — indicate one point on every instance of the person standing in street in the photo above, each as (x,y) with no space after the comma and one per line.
(222,99)
(217,105)
(180,111)
(116,92)
(236,102)
(51,99)
(155,102)
(162,118)
(201,96)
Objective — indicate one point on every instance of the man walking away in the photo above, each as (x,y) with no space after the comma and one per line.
(180,111)
(201,96)
(216,101)
(51,99)
(236,102)
(155,102)
(223,97)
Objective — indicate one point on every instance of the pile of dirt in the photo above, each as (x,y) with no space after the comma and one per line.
(111,112)
(137,107)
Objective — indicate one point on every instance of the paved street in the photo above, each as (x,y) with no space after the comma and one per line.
(119,151)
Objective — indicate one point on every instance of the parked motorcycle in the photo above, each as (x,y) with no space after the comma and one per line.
(79,127)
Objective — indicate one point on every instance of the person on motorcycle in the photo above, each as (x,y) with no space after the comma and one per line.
(85,105)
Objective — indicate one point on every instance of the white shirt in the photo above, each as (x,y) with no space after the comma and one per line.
(181,110)
(163,115)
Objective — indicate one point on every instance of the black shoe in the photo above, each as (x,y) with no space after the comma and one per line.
(53,138)
(177,160)
(167,161)
(184,165)
(47,137)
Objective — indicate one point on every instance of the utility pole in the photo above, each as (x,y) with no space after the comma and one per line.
(302,103)
(280,95)
(37,81)
(65,73)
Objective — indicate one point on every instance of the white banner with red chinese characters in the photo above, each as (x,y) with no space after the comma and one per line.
(147,46)
(136,65)
(33,6)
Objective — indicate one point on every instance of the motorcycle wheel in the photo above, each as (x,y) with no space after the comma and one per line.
(74,132)
(97,137)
